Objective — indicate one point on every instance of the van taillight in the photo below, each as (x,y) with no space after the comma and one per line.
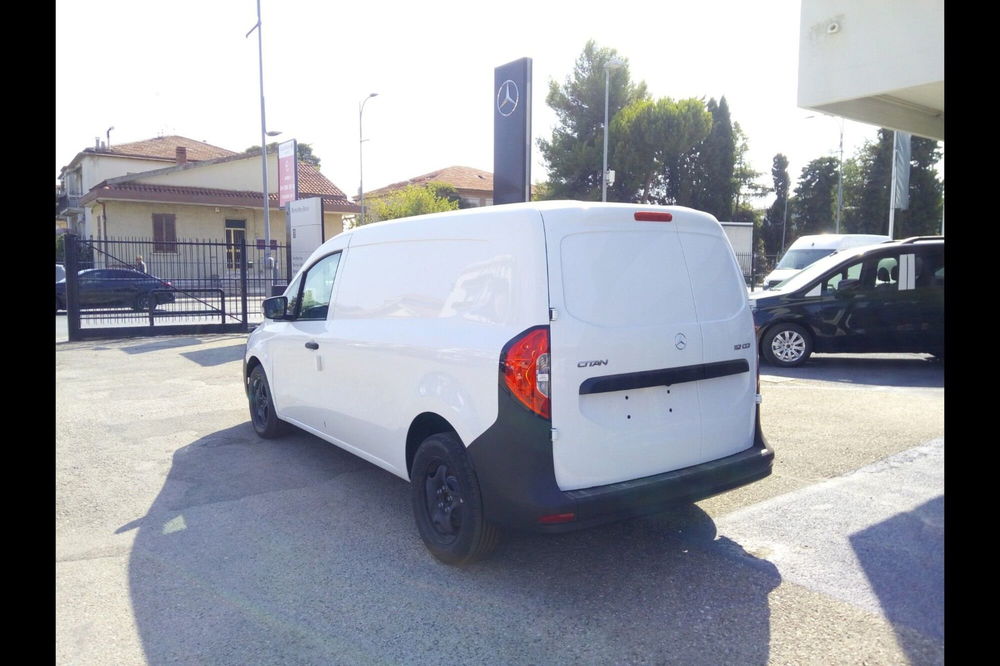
(525,364)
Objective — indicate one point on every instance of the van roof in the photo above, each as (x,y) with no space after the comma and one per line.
(502,209)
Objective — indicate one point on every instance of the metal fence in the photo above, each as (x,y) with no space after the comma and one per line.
(174,287)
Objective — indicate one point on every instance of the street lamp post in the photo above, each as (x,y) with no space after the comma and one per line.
(361,155)
(612,63)
(268,261)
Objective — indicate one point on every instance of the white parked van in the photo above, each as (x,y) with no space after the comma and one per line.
(546,366)
(808,249)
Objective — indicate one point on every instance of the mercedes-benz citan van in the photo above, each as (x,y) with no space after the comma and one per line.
(543,366)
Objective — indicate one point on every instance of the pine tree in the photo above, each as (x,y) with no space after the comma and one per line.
(774,220)
(574,155)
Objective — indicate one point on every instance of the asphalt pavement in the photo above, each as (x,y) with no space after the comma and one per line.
(182,538)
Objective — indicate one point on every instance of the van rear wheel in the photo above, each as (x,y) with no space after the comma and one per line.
(786,345)
(447,503)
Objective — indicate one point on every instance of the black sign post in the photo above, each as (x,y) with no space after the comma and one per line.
(512,132)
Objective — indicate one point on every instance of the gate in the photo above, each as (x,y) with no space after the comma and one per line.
(184,287)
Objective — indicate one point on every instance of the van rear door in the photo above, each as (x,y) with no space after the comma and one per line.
(652,351)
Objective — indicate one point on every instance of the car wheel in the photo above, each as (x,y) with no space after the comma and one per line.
(786,345)
(447,502)
(262,415)
(143,302)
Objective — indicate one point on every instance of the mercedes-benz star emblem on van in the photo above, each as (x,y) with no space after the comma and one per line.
(680,341)
(507,98)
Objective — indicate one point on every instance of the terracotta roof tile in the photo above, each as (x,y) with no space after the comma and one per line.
(165,147)
(311,181)
(461,177)
(137,191)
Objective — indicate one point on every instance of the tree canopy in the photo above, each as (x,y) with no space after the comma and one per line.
(692,153)
(648,137)
(815,197)
(574,155)
(410,200)
(304,150)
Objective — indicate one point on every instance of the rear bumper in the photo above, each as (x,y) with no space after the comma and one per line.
(513,461)
(652,494)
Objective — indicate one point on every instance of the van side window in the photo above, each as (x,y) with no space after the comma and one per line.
(317,288)
(887,273)
(292,293)
(852,272)
(929,269)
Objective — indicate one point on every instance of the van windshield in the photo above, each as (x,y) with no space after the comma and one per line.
(797,259)
(816,269)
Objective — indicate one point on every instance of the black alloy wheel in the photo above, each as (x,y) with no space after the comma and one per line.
(447,503)
(265,421)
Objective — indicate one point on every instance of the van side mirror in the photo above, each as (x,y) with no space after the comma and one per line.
(276,307)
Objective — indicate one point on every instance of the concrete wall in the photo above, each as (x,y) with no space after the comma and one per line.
(875,61)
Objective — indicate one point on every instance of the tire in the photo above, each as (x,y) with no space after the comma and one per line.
(264,419)
(142,302)
(786,345)
(447,503)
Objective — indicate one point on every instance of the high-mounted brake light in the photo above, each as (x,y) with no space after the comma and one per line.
(525,367)
(652,216)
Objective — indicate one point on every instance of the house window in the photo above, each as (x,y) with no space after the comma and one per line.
(164,233)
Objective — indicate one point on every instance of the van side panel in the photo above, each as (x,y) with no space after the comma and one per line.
(429,307)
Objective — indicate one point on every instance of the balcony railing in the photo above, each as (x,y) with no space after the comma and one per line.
(69,201)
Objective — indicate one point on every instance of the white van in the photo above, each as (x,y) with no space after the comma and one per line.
(544,366)
(807,249)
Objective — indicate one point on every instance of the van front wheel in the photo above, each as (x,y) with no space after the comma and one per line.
(447,503)
(265,421)
(786,345)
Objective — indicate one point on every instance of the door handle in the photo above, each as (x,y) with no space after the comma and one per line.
(312,345)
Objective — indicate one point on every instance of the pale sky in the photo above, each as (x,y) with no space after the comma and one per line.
(186,67)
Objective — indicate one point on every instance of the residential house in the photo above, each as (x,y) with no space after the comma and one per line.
(211,199)
(94,165)
(474,186)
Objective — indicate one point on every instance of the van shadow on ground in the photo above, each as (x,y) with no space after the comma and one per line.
(903,559)
(294,551)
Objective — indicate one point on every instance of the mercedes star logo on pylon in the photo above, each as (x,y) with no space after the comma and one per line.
(507,97)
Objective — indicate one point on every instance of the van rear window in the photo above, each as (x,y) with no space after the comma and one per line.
(626,278)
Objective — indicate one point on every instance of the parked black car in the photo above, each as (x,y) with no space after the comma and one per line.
(116,287)
(878,298)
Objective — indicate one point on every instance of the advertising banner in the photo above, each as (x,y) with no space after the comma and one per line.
(288,177)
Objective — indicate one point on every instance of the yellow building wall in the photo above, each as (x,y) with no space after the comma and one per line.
(198,222)
(242,174)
